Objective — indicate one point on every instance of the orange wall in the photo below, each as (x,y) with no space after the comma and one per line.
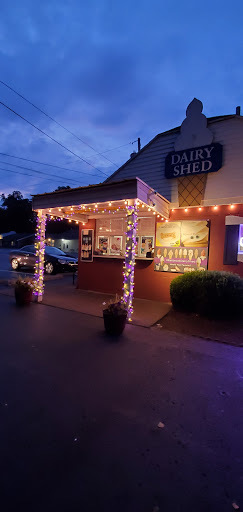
(105,275)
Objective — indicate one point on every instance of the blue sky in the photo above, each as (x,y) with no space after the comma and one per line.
(110,72)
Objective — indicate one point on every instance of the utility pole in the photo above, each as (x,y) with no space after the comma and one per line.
(139,144)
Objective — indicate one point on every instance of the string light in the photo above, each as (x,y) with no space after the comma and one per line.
(40,254)
(186,209)
(232,206)
(129,264)
(215,207)
(199,208)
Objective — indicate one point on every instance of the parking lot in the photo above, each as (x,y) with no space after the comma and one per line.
(80,414)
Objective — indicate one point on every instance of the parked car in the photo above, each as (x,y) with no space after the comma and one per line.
(55,259)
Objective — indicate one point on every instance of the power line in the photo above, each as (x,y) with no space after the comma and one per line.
(30,175)
(40,172)
(118,147)
(49,165)
(51,138)
(16,172)
(25,174)
(59,124)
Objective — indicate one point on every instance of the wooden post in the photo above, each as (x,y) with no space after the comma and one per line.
(128,274)
(40,255)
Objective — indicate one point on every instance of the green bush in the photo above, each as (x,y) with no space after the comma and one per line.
(211,293)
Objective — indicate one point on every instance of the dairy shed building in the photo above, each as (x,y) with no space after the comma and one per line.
(175,206)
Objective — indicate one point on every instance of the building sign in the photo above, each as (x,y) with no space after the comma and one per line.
(193,161)
(181,246)
(87,237)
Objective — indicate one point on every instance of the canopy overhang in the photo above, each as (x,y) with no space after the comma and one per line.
(81,203)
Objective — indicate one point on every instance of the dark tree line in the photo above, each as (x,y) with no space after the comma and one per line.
(16,215)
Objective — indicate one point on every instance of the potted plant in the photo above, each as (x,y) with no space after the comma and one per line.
(23,290)
(115,316)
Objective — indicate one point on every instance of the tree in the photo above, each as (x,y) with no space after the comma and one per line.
(16,214)
(61,188)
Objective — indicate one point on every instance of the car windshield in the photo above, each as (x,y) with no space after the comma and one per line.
(28,248)
(54,251)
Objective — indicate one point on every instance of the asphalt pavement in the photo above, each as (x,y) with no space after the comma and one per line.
(151,422)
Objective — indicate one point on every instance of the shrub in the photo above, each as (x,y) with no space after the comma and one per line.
(211,293)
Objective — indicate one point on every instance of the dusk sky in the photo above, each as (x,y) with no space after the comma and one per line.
(110,72)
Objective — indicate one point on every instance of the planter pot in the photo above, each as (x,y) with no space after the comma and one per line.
(114,324)
(23,296)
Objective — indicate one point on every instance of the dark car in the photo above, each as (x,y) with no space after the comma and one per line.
(55,259)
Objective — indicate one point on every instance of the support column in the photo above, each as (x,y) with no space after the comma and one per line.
(40,255)
(128,274)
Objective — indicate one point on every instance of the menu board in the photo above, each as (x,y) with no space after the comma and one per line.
(147,244)
(240,244)
(136,246)
(116,245)
(87,237)
(181,246)
(103,244)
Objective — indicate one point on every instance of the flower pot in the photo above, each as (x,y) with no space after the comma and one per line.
(114,324)
(23,296)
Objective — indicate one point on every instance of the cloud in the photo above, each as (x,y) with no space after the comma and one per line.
(110,72)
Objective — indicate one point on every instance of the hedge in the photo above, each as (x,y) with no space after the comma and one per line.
(211,293)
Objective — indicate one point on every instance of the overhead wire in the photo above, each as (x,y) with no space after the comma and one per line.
(41,172)
(118,147)
(59,124)
(30,175)
(51,138)
(49,165)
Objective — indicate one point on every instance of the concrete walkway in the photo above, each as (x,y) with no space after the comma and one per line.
(61,292)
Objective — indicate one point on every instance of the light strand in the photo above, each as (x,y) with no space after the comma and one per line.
(129,264)
(40,254)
